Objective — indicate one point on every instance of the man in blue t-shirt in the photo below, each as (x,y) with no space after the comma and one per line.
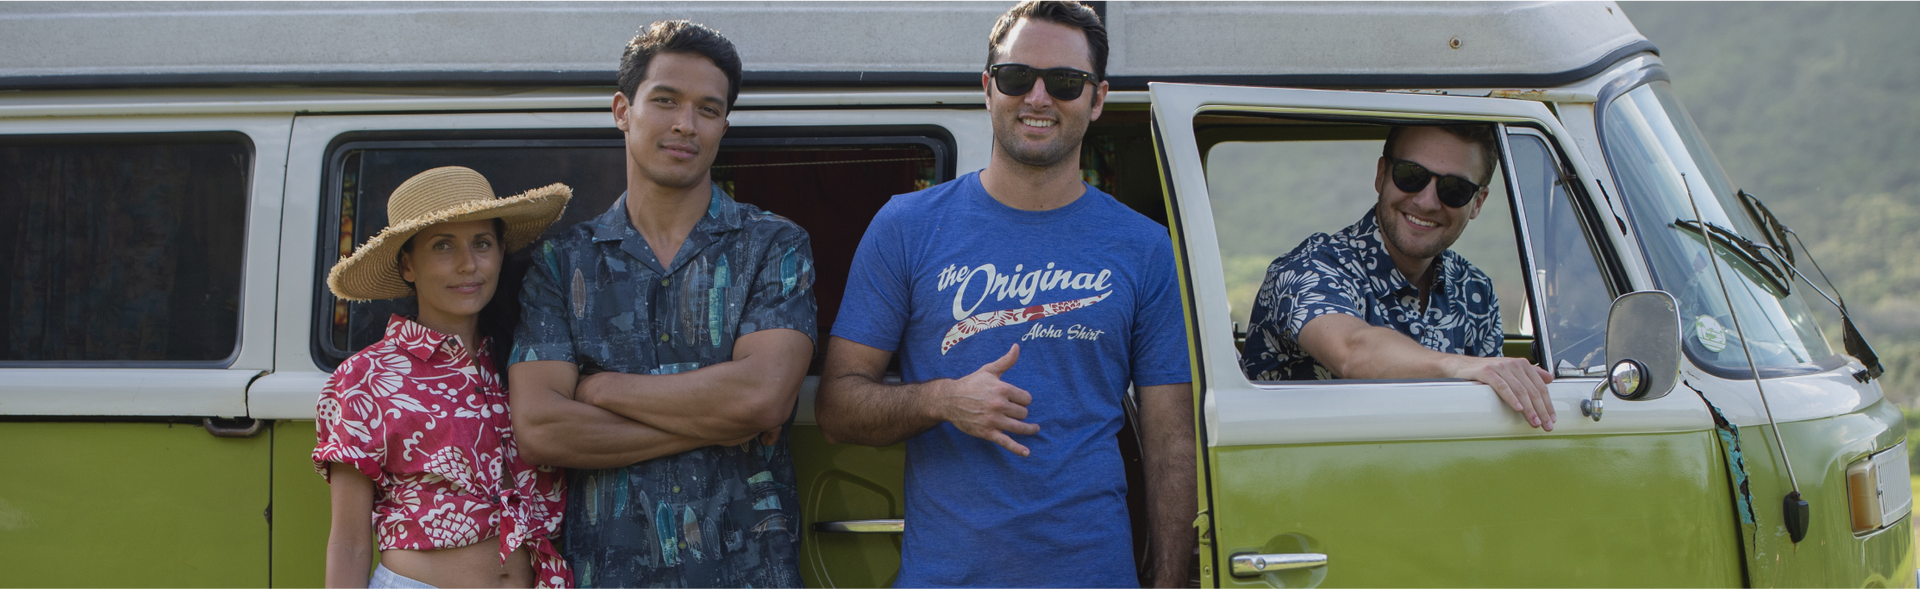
(1022,303)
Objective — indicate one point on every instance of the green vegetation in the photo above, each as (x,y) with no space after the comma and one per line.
(1816,109)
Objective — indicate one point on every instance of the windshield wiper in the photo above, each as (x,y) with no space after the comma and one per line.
(1777,279)
(1777,233)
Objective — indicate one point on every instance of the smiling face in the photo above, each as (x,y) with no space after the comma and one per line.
(674,122)
(1036,129)
(1417,225)
(454,268)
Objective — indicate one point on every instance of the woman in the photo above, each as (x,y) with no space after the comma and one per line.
(414,437)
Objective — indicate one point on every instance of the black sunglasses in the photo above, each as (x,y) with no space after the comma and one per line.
(1016,79)
(1453,191)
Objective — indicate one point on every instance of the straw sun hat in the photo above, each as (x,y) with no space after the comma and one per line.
(441,195)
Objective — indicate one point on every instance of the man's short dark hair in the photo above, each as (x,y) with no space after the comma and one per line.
(678,36)
(1072,14)
(1480,136)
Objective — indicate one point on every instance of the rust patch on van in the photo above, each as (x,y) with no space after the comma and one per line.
(1543,95)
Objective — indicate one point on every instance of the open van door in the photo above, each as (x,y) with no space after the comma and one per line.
(1429,482)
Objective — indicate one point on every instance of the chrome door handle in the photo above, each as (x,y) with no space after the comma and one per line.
(1249,565)
(863,526)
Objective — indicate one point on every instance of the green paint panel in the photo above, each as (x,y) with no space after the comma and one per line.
(847,482)
(1639,510)
(1830,555)
(131,505)
(301,510)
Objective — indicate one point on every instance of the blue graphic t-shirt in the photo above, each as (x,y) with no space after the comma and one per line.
(949,279)
(1351,273)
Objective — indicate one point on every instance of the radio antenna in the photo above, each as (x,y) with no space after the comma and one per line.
(1795,509)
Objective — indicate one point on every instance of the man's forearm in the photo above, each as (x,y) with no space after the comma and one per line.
(558,431)
(751,393)
(858,409)
(1166,422)
(719,402)
(1361,351)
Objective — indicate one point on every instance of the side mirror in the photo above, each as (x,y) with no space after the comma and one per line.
(1643,349)
(1644,329)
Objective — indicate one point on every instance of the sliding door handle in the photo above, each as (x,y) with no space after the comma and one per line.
(238,427)
(1250,565)
(863,526)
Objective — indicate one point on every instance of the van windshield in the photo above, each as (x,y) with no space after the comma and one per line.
(1660,161)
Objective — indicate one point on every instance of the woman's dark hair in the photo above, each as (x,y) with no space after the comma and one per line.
(1072,14)
(502,313)
(678,36)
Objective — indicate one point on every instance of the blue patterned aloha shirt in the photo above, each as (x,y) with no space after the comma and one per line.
(597,297)
(1350,273)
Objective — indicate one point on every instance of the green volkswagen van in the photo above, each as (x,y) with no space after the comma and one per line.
(175,179)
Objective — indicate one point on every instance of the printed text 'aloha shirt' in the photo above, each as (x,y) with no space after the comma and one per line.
(427,421)
(598,297)
(1351,273)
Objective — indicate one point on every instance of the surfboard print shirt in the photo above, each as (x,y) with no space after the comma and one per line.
(948,279)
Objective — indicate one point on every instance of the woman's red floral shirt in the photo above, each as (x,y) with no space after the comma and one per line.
(429,425)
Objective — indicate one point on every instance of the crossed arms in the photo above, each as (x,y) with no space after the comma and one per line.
(612,419)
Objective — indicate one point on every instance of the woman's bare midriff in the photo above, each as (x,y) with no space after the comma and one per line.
(476,565)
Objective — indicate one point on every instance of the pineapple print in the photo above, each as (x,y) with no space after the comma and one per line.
(451,464)
(446,526)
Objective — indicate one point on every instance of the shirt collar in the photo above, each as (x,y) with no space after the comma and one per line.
(415,339)
(1446,268)
(723,215)
(1378,263)
(419,340)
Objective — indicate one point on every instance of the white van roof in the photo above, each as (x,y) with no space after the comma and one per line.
(1338,44)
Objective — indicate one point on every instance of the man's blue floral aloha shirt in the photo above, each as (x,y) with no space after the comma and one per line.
(1350,272)
(598,297)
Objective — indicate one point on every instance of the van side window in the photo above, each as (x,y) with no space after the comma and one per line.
(1275,182)
(122,248)
(1575,294)
(831,186)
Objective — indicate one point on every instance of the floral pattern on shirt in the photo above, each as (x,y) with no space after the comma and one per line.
(598,297)
(429,424)
(1351,273)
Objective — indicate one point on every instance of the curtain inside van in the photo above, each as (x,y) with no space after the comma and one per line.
(122,247)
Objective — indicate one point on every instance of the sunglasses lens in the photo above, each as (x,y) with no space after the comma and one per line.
(1453,191)
(1065,85)
(1410,177)
(1013,79)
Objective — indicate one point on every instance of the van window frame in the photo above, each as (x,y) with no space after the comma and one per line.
(211,136)
(1521,234)
(1612,272)
(327,354)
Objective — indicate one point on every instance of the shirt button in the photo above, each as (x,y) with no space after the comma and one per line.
(666,282)
(663,337)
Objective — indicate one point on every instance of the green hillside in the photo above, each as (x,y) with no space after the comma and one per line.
(1816,109)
